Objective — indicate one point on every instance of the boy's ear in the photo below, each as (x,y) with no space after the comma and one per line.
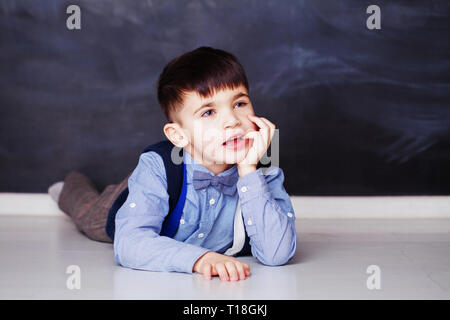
(175,134)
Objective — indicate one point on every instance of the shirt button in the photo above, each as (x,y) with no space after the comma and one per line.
(200,235)
(249,222)
(289,215)
(132,205)
(244,189)
(212,201)
(182,221)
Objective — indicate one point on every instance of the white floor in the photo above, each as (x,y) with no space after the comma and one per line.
(330,263)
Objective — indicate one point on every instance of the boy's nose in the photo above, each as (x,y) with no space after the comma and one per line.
(231,121)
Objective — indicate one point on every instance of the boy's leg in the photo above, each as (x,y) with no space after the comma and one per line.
(88,209)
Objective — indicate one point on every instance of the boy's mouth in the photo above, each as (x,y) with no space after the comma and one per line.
(235,143)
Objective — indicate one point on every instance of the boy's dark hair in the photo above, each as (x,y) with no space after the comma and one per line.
(203,70)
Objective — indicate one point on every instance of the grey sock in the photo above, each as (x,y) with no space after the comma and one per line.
(55,190)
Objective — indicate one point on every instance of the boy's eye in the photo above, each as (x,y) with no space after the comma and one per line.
(206,113)
(210,111)
(241,104)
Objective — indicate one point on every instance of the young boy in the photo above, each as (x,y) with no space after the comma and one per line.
(205,96)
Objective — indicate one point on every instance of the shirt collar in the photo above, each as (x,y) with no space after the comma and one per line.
(192,164)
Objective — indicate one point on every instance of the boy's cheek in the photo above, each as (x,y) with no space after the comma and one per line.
(211,135)
(209,141)
(250,125)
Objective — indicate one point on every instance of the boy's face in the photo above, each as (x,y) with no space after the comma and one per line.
(209,125)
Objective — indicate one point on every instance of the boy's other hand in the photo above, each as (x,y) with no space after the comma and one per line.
(226,267)
(261,141)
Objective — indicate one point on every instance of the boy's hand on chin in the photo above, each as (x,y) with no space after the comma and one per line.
(226,267)
(261,141)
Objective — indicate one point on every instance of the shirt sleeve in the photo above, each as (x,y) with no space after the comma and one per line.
(137,243)
(268,215)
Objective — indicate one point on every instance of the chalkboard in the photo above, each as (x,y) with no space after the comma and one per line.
(360,111)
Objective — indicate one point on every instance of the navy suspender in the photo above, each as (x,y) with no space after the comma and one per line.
(170,224)
(176,183)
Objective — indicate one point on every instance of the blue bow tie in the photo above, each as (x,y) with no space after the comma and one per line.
(225,184)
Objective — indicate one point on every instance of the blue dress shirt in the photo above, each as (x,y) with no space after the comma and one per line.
(207,220)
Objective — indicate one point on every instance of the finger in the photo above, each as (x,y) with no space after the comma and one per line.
(247,269)
(207,271)
(252,135)
(222,271)
(241,271)
(257,138)
(270,131)
(214,271)
(259,122)
(264,129)
(259,141)
(232,271)
(271,126)
(255,147)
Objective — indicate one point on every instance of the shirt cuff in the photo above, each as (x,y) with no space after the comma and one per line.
(252,185)
(188,256)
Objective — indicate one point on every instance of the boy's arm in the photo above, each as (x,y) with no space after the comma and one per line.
(137,243)
(268,216)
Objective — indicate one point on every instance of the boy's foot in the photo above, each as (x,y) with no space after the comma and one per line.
(55,190)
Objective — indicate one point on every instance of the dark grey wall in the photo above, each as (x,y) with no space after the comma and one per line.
(360,112)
